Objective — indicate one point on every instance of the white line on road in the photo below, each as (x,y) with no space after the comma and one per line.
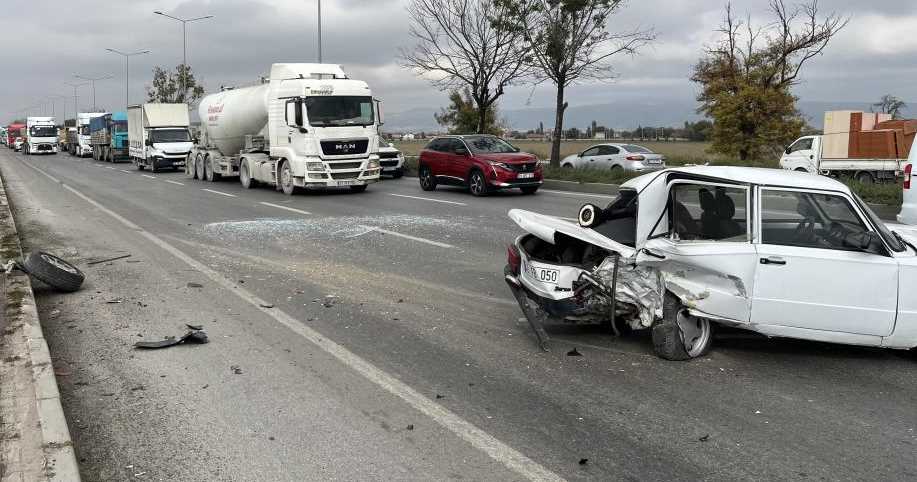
(405,236)
(149,176)
(481,440)
(175,182)
(109,167)
(429,199)
(125,171)
(100,165)
(580,194)
(300,211)
(220,193)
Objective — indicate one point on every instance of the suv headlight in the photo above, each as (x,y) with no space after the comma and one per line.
(373,164)
(501,165)
(315,166)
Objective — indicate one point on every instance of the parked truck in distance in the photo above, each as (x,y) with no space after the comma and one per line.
(12,132)
(865,146)
(40,136)
(309,126)
(158,135)
(81,145)
(108,137)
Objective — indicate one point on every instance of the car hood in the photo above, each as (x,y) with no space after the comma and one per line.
(546,227)
(388,149)
(512,158)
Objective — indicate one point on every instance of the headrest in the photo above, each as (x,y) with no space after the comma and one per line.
(725,206)
(707,201)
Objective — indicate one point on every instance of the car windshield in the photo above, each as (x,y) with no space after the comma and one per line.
(489,145)
(170,135)
(637,149)
(43,131)
(893,242)
(121,126)
(339,111)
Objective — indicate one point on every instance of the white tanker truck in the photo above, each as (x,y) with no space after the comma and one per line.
(309,127)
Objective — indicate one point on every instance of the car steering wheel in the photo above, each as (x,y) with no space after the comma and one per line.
(805,231)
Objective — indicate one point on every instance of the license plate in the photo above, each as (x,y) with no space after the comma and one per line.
(545,275)
(655,161)
(526,175)
(349,182)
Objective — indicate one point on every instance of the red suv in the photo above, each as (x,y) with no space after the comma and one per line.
(484,163)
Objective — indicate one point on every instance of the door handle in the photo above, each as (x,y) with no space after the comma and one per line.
(776,260)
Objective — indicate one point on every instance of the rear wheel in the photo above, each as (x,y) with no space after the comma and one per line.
(245,176)
(286,179)
(189,167)
(199,167)
(477,184)
(801,169)
(427,181)
(865,178)
(616,170)
(679,335)
(567,166)
(212,175)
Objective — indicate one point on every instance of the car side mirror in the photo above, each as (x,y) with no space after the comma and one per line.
(196,140)
(787,150)
(579,155)
(149,142)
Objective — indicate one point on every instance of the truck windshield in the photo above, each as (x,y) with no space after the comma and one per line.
(84,130)
(170,135)
(337,111)
(120,126)
(43,131)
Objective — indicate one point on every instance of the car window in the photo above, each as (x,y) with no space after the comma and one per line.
(701,212)
(489,145)
(455,144)
(801,145)
(637,149)
(813,220)
(435,145)
(609,150)
(592,151)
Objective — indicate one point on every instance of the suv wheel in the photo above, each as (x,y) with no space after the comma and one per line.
(477,184)
(427,181)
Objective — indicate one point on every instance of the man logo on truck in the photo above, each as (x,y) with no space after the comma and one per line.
(345,147)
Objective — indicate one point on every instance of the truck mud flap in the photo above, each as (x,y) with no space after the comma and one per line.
(533,313)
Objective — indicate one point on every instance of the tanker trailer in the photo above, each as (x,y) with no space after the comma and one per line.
(307,127)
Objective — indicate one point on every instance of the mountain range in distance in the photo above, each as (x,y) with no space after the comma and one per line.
(622,115)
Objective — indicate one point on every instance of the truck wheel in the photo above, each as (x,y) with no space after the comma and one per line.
(286,179)
(53,271)
(678,335)
(212,176)
(245,176)
(189,167)
(865,177)
(198,168)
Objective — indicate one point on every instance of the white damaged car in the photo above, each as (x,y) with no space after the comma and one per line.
(682,251)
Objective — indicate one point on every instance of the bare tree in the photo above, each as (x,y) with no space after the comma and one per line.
(890,104)
(459,45)
(569,42)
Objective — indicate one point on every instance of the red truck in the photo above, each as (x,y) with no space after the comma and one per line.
(12,132)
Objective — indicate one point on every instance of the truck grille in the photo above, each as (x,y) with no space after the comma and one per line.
(339,166)
(345,175)
(388,163)
(388,155)
(345,147)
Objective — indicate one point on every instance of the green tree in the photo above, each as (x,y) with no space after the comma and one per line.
(890,104)
(462,116)
(746,78)
(568,42)
(166,86)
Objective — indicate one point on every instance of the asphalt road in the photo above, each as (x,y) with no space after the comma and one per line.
(393,350)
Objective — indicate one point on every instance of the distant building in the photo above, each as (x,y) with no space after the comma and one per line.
(408,137)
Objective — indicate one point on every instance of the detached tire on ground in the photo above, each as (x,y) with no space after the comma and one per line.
(53,271)
(679,336)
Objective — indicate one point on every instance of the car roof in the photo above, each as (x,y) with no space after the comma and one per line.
(748,175)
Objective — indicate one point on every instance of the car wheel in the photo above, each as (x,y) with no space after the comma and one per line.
(398,174)
(53,271)
(679,335)
(567,166)
(865,178)
(358,188)
(616,170)
(245,176)
(427,181)
(286,179)
(477,184)
(529,189)
(802,169)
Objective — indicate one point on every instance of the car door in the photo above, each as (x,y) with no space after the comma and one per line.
(611,156)
(589,157)
(432,156)
(460,160)
(801,153)
(810,275)
(704,247)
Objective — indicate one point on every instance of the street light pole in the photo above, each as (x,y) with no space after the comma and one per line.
(92,82)
(184,47)
(319,31)
(75,86)
(127,72)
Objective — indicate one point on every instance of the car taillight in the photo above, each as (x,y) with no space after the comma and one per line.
(907,175)
(636,158)
(513,259)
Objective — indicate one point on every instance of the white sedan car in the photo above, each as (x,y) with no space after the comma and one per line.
(620,157)
(681,251)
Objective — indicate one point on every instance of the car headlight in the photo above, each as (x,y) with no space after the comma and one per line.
(373,164)
(501,165)
(315,166)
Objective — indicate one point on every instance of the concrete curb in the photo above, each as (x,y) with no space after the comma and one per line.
(59,457)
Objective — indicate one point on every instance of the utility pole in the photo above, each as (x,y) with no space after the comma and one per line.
(184,47)
(92,82)
(76,107)
(127,72)
(319,31)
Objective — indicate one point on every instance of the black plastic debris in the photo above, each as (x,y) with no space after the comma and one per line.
(193,336)
(195,285)
(704,438)
(329,301)
(573,352)
(236,369)
(440,397)
(267,305)
(583,461)
(410,427)
(106,260)
(194,327)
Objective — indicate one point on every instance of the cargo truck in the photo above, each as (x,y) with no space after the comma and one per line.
(108,136)
(158,135)
(307,126)
(12,132)
(64,136)
(40,136)
(81,146)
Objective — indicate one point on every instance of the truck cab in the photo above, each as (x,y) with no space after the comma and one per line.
(83,145)
(40,136)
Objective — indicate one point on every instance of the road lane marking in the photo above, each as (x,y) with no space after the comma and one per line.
(405,236)
(580,194)
(124,171)
(149,176)
(429,199)
(220,193)
(99,165)
(300,211)
(479,439)
(175,182)
(109,167)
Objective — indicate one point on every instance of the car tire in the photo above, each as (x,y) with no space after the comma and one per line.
(802,169)
(616,170)
(529,190)
(567,166)
(358,188)
(477,183)
(864,177)
(285,179)
(398,174)
(53,271)
(427,181)
(245,176)
(669,334)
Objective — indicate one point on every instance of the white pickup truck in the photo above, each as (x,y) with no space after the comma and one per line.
(805,155)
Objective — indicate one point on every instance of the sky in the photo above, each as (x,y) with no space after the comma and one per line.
(47,42)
